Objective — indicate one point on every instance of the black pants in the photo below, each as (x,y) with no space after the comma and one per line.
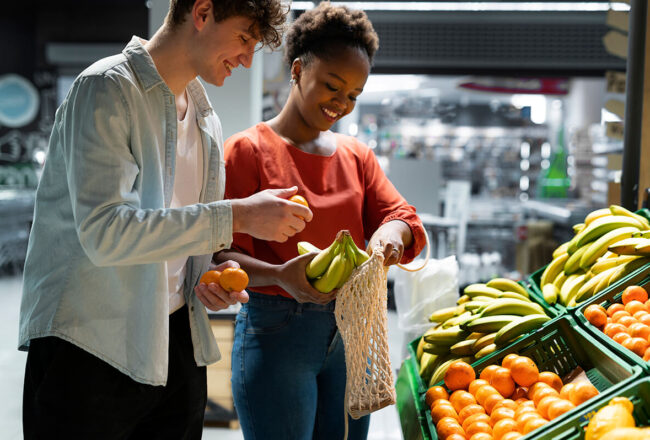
(71,394)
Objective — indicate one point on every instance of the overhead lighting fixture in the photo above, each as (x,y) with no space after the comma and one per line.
(477,6)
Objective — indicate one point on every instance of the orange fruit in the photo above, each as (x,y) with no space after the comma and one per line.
(520,393)
(534,388)
(439,412)
(640,314)
(490,401)
(456,436)
(442,402)
(635,306)
(501,413)
(502,427)
(476,417)
(460,399)
(478,427)
(481,436)
(448,426)
(435,393)
(551,379)
(612,328)
(627,321)
(506,403)
(597,315)
(565,393)
(632,293)
(507,361)
(524,371)
(233,279)
(636,345)
(502,381)
(487,372)
(211,276)
(559,407)
(469,411)
(483,392)
(620,314)
(476,384)
(614,308)
(542,407)
(525,418)
(620,337)
(582,392)
(300,200)
(645,319)
(459,375)
(646,355)
(639,330)
(514,435)
(533,424)
(544,392)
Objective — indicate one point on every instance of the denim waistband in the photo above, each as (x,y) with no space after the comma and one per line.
(279,300)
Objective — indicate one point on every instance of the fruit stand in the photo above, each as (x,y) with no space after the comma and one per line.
(538,359)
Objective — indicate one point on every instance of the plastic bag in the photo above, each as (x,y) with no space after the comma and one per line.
(419,294)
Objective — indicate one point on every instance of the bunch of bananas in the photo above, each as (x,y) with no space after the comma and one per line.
(487,317)
(611,243)
(332,267)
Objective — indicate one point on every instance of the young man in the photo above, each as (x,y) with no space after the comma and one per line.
(128,213)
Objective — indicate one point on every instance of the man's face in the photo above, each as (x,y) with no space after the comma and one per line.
(223,46)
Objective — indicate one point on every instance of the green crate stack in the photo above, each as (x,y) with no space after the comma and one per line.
(560,346)
(605,299)
(409,405)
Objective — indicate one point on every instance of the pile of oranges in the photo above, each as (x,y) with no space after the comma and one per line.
(505,402)
(627,324)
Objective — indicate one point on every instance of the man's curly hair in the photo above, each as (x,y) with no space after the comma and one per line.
(322,31)
(269,16)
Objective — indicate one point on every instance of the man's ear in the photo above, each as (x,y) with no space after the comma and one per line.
(201,13)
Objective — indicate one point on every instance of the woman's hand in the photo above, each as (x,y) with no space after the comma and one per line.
(214,297)
(292,278)
(392,237)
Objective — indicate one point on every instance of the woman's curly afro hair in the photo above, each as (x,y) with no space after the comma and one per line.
(322,31)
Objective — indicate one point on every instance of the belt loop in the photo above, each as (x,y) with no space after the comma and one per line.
(299,308)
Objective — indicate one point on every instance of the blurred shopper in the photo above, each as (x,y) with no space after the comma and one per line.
(288,361)
(128,213)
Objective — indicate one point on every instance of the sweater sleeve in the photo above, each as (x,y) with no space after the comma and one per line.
(242,179)
(383,203)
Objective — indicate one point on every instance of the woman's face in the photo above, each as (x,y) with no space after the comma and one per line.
(327,89)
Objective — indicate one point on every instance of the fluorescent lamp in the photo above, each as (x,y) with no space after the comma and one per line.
(477,6)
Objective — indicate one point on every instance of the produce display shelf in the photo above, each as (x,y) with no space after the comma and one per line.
(560,347)
(409,405)
(605,299)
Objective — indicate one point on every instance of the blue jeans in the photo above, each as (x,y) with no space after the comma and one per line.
(288,372)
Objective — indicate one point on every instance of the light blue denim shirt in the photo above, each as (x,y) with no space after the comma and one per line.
(95,273)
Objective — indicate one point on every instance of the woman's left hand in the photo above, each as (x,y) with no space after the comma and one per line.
(391,238)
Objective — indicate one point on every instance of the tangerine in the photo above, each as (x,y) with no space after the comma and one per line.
(469,411)
(502,427)
(301,201)
(627,321)
(596,314)
(524,371)
(487,372)
(481,436)
(636,345)
(460,399)
(514,435)
(476,384)
(478,427)
(490,401)
(632,293)
(507,361)
(614,308)
(448,426)
(639,330)
(619,338)
(635,306)
(456,436)
(476,417)
(520,393)
(506,403)
(501,413)
(620,314)
(582,392)
(211,276)
(551,379)
(459,375)
(533,424)
(640,314)
(544,392)
(435,393)
(559,407)
(525,418)
(646,355)
(542,407)
(645,319)
(612,328)
(502,381)
(483,392)
(565,393)
(233,279)
(439,412)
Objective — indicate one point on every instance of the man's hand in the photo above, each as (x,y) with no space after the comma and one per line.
(214,297)
(293,280)
(391,238)
(268,215)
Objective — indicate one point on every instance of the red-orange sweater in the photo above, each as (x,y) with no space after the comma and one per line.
(347,190)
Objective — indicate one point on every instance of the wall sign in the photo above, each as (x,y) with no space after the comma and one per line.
(19,101)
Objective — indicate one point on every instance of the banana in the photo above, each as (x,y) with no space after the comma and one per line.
(619,210)
(332,276)
(519,327)
(348,262)
(480,289)
(572,265)
(628,246)
(626,269)
(550,292)
(474,306)
(420,349)
(488,324)
(442,315)
(457,320)
(553,269)
(599,247)
(559,280)
(513,295)
(488,349)
(305,247)
(603,264)
(604,279)
(603,225)
(573,244)
(475,335)
(578,227)
(588,289)
(593,215)
(484,341)
(506,285)
(642,234)
(643,248)
(567,287)
(463,348)
(435,349)
(360,256)
(561,249)
(321,262)
(427,365)
(463,299)
(509,306)
(446,337)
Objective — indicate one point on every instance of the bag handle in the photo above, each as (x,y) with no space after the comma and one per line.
(426,258)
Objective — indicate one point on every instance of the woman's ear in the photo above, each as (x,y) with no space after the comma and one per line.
(296,69)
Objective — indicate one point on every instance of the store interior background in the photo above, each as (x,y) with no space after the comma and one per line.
(493,124)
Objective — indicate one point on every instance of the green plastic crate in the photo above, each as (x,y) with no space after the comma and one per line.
(573,428)
(605,299)
(560,346)
(411,414)
(534,278)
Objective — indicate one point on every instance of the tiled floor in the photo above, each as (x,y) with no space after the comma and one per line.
(384,424)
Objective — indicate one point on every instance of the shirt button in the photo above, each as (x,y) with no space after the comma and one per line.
(192,308)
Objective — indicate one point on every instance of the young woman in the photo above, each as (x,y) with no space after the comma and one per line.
(288,360)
